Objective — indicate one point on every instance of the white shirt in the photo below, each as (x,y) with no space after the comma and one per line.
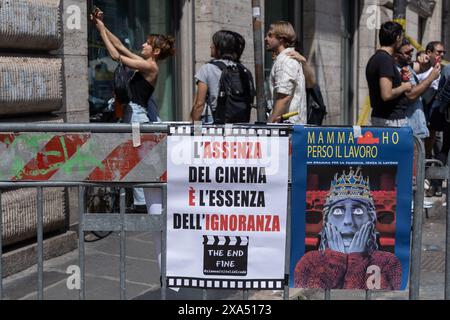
(426,74)
(287,78)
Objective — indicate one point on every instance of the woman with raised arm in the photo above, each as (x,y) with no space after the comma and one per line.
(142,84)
(140,89)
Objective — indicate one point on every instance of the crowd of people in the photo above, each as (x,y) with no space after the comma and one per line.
(411,92)
(403,91)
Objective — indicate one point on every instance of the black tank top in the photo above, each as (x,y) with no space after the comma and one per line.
(140,89)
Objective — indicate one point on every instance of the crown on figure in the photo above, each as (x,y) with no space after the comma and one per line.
(351,185)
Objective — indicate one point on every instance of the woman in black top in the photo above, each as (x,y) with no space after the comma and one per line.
(142,84)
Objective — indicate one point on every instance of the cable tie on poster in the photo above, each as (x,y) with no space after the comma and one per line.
(197,128)
(357,132)
(136,134)
(228,129)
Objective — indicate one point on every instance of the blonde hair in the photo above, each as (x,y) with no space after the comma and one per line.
(284,30)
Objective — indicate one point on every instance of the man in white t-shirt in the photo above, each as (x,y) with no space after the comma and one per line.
(287,81)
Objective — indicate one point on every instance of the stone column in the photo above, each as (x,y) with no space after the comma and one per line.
(75,60)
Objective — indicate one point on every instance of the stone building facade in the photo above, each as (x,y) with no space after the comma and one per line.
(338,37)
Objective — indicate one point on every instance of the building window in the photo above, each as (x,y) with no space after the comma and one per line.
(131,21)
(422,27)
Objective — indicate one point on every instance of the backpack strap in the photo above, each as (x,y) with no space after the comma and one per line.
(220,64)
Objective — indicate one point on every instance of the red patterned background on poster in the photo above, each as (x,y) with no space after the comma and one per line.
(385,203)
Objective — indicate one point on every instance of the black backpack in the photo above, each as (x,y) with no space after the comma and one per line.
(316,108)
(120,83)
(236,94)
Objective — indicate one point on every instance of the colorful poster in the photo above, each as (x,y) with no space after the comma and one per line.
(351,208)
(226,212)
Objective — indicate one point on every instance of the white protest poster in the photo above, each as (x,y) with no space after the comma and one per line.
(226,208)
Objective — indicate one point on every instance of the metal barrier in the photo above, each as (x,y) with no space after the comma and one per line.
(123,223)
(441,172)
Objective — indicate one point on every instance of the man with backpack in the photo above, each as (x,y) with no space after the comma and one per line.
(225,88)
(287,81)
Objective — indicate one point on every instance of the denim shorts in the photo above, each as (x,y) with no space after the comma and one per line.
(135,113)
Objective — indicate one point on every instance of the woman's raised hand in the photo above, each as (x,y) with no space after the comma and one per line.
(98,14)
(98,23)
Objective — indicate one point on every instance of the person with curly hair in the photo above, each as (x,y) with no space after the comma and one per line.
(348,242)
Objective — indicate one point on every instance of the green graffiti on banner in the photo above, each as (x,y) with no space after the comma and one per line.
(83,162)
(16,167)
(80,160)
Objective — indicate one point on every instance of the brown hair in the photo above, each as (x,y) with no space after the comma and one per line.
(284,30)
(164,43)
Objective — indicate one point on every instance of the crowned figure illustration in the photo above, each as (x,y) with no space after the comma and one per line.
(348,241)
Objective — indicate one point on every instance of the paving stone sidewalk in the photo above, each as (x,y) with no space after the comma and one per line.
(142,281)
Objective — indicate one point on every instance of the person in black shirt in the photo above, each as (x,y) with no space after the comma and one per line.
(386,88)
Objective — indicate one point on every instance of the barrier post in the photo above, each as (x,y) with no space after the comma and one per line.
(40,239)
(164,244)
(416,250)
(1,247)
(123,256)
(447,237)
(288,245)
(81,209)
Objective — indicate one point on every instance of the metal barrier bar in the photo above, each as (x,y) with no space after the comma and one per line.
(204,294)
(416,249)
(115,127)
(368,294)
(81,210)
(288,245)
(112,222)
(1,247)
(438,173)
(123,257)
(51,184)
(164,244)
(327,294)
(245,294)
(81,127)
(40,240)
(447,237)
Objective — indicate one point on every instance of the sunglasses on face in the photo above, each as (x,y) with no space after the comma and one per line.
(443,52)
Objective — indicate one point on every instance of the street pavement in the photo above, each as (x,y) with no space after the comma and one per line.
(143,279)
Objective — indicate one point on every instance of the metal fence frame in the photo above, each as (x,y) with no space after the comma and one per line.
(144,222)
